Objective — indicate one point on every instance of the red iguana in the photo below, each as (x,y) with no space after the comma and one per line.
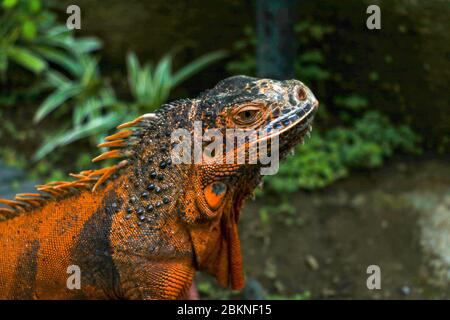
(141,228)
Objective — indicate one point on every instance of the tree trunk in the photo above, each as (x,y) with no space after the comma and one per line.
(276,42)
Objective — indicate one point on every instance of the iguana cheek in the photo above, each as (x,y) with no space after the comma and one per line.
(214,194)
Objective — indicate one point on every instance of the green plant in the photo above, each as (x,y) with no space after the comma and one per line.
(67,80)
(151,85)
(331,155)
(84,94)
(33,40)
(31,37)
(93,103)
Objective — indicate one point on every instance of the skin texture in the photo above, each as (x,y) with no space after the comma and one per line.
(140,229)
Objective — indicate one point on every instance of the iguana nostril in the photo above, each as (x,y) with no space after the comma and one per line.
(301,93)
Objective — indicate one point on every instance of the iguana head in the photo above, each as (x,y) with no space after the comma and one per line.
(264,111)
(268,106)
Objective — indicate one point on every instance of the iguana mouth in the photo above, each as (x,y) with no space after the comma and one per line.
(298,119)
(293,125)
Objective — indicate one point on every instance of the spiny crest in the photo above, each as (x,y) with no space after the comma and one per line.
(122,141)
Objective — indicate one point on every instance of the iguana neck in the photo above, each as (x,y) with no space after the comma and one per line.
(149,186)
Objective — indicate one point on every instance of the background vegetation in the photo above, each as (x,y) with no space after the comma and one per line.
(67,90)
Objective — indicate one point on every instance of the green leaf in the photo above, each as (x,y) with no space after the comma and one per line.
(89,71)
(91,108)
(27,59)
(139,79)
(59,57)
(312,56)
(196,65)
(58,31)
(3,62)
(352,102)
(162,80)
(133,68)
(92,127)
(55,99)
(34,5)
(86,44)
(9,3)
(29,30)
(56,79)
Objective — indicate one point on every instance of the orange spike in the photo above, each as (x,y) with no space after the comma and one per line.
(63,185)
(85,173)
(79,185)
(105,176)
(55,183)
(6,211)
(122,164)
(130,123)
(43,187)
(12,203)
(77,175)
(32,202)
(54,191)
(50,191)
(98,172)
(28,195)
(22,198)
(82,183)
(119,135)
(109,154)
(116,143)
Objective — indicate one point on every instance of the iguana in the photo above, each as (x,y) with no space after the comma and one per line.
(140,229)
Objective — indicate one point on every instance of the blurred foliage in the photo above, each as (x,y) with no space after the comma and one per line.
(74,93)
(32,37)
(151,86)
(349,136)
(93,103)
(80,102)
(330,155)
(298,296)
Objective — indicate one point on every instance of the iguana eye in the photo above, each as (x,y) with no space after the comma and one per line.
(247,115)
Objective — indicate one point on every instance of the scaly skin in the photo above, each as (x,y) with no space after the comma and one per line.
(141,229)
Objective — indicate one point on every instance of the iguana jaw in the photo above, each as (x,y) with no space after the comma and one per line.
(298,120)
